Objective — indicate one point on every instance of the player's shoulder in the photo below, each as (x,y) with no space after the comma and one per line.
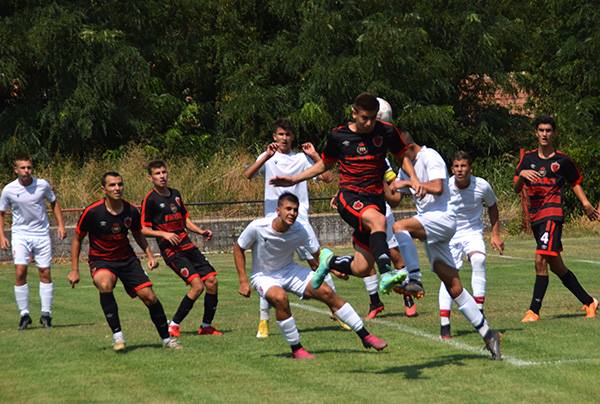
(480,182)
(11,185)
(562,155)
(261,222)
(94,207)
(430,155)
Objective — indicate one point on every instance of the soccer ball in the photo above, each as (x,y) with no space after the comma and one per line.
(385,110)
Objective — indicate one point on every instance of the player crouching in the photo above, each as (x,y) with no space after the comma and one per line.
(273,242)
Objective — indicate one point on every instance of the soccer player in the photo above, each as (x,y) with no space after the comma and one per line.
(361,147)
(435,224)
(472,194)
(544,171)
(111,257)
(273,240)
(165,217)
(30,236)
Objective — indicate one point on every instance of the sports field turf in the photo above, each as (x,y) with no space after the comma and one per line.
(554,360)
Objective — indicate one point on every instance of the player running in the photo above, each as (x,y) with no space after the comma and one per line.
(111,257)
(165,217)
(544,171)
(472,194)
(273,240)
(30,236)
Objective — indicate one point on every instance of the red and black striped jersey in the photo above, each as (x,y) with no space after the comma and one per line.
(362,156)
(167,213)
(108,232)
(545,194)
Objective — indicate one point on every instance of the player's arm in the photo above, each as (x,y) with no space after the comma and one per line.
(589,209)
(140,239)
(525,175)
(391,197)
(170,237)
(309,149)
(262,159)
(240,265)
(4,243)
(496,240)
(73,275)
(287,181)
(206,233)
(60,222)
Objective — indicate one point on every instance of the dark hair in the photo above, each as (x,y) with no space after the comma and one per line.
(155,164)
(544,119)
(22,157)
(366,102)
(287,196)
(285,124)
(462,155)
(108,174)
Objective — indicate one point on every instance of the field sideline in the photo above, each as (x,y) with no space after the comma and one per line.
(556,359)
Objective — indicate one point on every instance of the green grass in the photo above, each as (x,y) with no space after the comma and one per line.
(554,360)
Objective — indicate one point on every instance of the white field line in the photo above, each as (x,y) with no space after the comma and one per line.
(510,257)
(454,343)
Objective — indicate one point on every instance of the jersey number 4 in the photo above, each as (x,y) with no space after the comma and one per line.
(544,238)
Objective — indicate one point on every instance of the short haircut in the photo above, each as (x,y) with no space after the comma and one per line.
(366,102)
(22,157)
(109,174)
(285,124)
(544,119)
(155,164)
(462,155)
(287,196)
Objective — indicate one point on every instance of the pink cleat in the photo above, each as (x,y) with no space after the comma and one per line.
(374,311)
(371,341)
(302,354)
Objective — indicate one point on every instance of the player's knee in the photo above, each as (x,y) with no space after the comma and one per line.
(541,265)
(104,286)
(398,227)
(211,284)
(278,298)
(147,296)
(45,275)
(478,260)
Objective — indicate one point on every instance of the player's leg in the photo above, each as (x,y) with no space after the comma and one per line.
(263,323)
(21,252)
(211,300)
(405,230)
(104,280)
(42,252)
(478,277)
(444,299)
(364,261)
(157,314)
(570,281)
(184,268)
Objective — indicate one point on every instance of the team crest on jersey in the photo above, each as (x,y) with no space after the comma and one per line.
(173,208)
(378,141)
(542,171)
(361,149)
(116,228)
(184,272)
(554,167)
(358,205)
(127,222)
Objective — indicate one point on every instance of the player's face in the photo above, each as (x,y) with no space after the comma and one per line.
(461,170)
(364,120)
(24,169)
(284,138)
(288,212)
(159,177)
(545,134)
(113,188)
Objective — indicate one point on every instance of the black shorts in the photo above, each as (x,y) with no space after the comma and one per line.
(547,236)
(130,272)
(190,264)
(352,205)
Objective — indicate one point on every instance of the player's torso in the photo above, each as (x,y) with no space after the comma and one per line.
(286,165)
(469,205)
(425,161)
(274,250)
(167,213)
(108,232)
(28,206)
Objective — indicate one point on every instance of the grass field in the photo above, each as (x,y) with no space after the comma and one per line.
(554,360)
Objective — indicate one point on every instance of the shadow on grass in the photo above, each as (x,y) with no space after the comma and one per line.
(131,348)
(71,325)
(415,371)
(461,333)
(323,328)
(570,315)
(288,354)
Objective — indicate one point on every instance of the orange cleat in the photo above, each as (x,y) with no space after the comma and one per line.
(530,317)
(590,311)
(210,330)
(174,330)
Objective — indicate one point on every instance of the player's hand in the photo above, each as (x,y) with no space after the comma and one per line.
(339,274)
(530,175)
(271,149)
(207,234)
(591,213)
(420,190)
(73,278)
(309,149)
(399,184)
(498,244)
(152,263)
(333,203)
(244,289)
(61,232)
(4,243)
(172,238)
(282,181)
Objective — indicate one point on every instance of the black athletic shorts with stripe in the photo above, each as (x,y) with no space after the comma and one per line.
(129,271)
(548,237)
(352,205)
(189,264)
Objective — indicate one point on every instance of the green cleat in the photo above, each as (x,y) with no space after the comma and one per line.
(391,278)
(323,269)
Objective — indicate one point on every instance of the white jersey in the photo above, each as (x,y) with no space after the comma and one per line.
(286,165)
(429,166)
(470,202)
(29,215)
(272,250)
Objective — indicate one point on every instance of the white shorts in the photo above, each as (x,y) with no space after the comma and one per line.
(292,278)
(389,222)
(465,245)
(439,229)
(23,247)
(313,241)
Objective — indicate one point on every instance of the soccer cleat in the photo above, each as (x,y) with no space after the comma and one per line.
(342,325)
(391,278)
(410,307)
(263,329)
(172,343)
(530,317)
(24,322)
(118,344)
(371,341)
(46,320)
(302,353)
(323,268)
(374,311)
(174,330)
(445,332)
(590,310)
(492,344)
(411,287)
(209,330)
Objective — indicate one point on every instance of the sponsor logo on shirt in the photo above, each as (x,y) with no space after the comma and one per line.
(542,171)
(116,228)
(173,208)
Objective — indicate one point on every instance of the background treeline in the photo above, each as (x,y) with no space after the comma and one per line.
(80,81)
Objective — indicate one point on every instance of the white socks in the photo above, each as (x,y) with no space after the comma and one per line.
(329,281)
(478,281)
(408,249)
(22,298)
(289,330)
(371,284)
(46,295)
(264,308)
(467,306)
(347,315)
(445,301)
